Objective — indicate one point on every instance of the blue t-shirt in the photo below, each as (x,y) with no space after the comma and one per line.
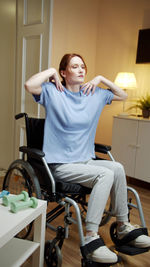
(71,122)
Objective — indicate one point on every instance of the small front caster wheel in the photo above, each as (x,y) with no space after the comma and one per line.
(53,256)
(113,232)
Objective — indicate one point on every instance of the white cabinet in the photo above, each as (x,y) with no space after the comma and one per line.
(131,145)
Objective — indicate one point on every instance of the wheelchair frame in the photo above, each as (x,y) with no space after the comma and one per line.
(64,201)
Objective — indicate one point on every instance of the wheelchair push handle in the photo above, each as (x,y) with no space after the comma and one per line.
(20,115)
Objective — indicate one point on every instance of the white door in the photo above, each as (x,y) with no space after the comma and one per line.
(32,56)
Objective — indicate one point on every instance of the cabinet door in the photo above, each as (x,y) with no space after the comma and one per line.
(124,138)
(142,167)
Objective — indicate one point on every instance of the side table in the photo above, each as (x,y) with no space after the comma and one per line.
(15,251)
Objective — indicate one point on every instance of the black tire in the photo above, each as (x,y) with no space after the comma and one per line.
(21,177)
(52,254)
(113,232)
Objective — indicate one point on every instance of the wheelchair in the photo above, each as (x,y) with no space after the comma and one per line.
(32,173)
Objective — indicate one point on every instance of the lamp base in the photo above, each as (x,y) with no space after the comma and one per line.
(123,114)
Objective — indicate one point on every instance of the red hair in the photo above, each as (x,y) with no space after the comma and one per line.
(65,61)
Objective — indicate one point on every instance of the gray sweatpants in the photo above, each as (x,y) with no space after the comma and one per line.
(105,178)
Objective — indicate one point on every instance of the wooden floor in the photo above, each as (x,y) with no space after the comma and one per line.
(71,251)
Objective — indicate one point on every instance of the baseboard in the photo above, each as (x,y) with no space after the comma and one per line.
(137,182)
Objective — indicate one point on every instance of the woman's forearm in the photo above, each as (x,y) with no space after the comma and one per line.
(119,94)
(33,85)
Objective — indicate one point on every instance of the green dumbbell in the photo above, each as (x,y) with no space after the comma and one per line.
(8,199)
(16,206)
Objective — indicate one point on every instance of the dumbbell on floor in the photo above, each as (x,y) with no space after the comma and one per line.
(8,199)
(16,206)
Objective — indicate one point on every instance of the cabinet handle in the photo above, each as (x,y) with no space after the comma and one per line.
(134,146)
(131,145)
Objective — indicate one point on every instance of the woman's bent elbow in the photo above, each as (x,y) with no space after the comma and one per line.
(27,87)
(123,96)
(33,90)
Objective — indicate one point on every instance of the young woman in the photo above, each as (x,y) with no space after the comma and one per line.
(72,113)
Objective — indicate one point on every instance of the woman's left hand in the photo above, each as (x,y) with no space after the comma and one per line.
(91,85)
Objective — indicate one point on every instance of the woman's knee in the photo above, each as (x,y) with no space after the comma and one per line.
(119,168)
(106,177)
(119,174)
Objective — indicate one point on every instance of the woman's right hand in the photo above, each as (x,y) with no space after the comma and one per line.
(55,78)
(33,85)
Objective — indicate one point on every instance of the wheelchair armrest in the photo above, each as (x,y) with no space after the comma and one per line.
(102,148)
(32,152)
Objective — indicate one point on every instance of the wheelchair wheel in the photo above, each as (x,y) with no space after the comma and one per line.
(113,232)
(53,256)
(20,176)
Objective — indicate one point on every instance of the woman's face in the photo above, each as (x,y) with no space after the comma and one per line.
(75,71)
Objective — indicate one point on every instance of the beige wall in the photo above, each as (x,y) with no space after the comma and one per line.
(105,32)
(7,79)
(75,30)
(119,23)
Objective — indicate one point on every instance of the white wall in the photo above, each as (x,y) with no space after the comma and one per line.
(7,79)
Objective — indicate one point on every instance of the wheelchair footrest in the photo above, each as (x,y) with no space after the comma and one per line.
(129,250)
(88,249)
(122,245)
(89,263)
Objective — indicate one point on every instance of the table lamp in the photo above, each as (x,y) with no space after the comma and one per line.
(126,81)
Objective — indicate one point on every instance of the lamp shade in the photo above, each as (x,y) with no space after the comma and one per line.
(126,80)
